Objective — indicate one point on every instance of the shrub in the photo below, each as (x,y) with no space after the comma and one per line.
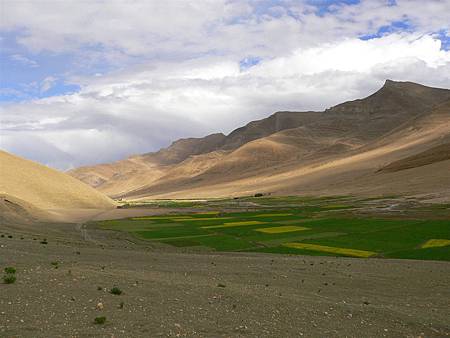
(116,291)
(100,320)
(9,279)
(10,270)
(259,194)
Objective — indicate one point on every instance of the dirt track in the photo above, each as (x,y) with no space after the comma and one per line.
(175,294)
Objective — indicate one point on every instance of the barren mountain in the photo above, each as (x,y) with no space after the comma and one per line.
(341,150)
(32,191)
(134,172)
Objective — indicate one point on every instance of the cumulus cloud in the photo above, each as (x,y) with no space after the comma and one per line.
(176,29)
(24,60)
(47,83)
(189,79)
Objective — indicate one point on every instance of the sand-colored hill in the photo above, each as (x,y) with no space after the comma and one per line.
(118,178)
(353,172)
(340,150)
(435,154)
(31,190)
(14,210)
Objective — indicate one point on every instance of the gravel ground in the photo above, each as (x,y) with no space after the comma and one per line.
(62,286)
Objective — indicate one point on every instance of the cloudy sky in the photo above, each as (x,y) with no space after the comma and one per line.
(84,82)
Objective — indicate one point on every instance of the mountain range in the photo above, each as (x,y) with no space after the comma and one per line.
(395,141)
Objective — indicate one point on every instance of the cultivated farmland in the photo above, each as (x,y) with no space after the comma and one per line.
(296,226)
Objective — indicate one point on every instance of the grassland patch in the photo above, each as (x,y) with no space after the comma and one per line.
(292,221)
(282,240)
(232,224)
(330,249)
(271,215)
(199,219)
(149,218)
(281,229)
(434,243)
(208,213)
(182,237)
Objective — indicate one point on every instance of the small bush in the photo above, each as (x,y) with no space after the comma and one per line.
(99,288)
(9,279)
(44,242)
(259,194)
(116,291)
(100,320)
(121,305)
(10,270)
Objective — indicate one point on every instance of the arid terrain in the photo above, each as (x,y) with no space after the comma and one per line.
(30,191)
(264,244)
(387,143)
(65,273)
(225,168)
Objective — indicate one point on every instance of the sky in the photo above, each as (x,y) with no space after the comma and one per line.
(86,82)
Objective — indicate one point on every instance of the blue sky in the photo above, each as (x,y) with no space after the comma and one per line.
(79,72)
(24,71)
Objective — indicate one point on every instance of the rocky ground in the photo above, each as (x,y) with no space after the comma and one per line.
(62,286)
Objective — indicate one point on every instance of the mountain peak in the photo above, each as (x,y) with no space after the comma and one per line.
(396,96)
(399,84)
(405,85)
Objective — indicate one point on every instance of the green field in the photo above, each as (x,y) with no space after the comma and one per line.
(332,227)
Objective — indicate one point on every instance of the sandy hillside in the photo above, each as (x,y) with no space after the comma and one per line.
(297,152)
(422,144)
(28,186)
(183,157)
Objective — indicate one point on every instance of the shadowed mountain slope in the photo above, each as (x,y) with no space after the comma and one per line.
(435,154)
(289,143)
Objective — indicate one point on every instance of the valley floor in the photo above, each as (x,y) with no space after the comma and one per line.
(169,293)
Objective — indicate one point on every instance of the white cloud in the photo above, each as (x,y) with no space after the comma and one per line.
(24,60)
(358,55)
(139,110)
(178,29)
(177,68)
(47,83)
